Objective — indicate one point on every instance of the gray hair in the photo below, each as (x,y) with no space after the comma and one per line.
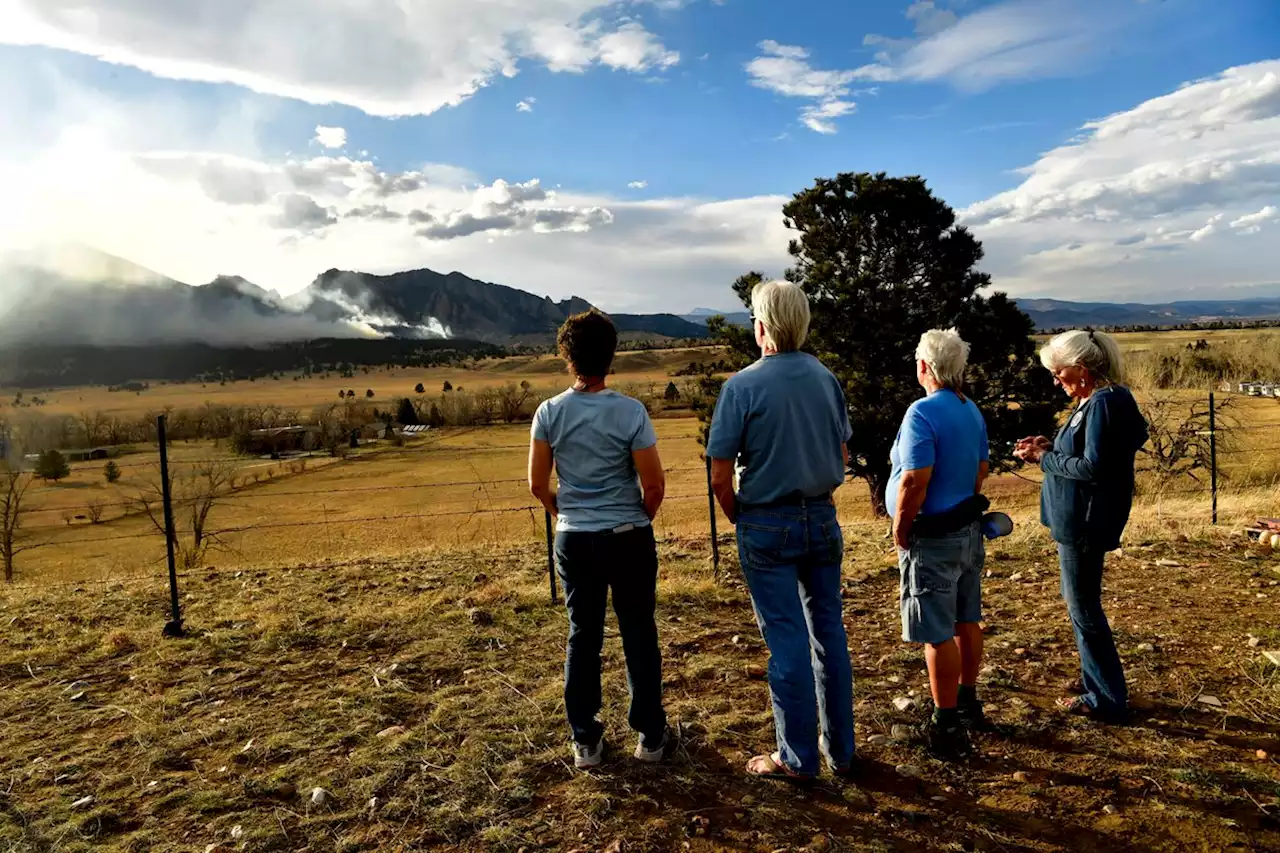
(1094,351)
(783,308)
(946,353)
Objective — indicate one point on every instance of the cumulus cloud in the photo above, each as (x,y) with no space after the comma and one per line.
(526,106)
(637,185)
(504,208)
(1174,173)
(385,57)
(301,213)
(331,137)
(785,69)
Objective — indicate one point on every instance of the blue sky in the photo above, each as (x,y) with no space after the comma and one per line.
(189,143)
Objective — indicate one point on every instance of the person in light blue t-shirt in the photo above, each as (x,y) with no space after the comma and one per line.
(940,461)
(782,423)
(604,450)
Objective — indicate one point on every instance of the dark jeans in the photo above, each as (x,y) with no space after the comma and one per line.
(1101,670)
(791,561)
(589,565)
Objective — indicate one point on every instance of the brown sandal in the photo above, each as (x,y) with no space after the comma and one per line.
(772,767)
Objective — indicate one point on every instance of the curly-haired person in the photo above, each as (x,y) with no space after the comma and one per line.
(611,483)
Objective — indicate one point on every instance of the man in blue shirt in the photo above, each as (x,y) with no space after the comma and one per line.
(940,461)
(782,423)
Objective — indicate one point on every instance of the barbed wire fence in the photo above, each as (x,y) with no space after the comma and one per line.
(1026,499)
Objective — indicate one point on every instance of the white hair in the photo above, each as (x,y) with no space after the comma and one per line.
(783,308)
(946,353)
(1094,351)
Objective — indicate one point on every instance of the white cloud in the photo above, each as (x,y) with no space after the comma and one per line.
(785,69)
(385,57)
(526,106)
(1251,223)
(331,137)
(1144,193)
(1009,41)
(638,185)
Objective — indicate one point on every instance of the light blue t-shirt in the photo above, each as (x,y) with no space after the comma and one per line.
(592,437)
(945,433)
(784,420)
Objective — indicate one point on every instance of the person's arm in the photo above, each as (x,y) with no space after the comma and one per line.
(984,459)
(653,480)
(722,486)
(912,491)
(540,464)
(984,468)
(1087,466)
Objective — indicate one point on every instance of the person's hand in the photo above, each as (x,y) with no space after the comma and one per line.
(1030,453)
(902,537)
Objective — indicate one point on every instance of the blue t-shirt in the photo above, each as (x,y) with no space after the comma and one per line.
(946,434)
(784,420)
(592,437)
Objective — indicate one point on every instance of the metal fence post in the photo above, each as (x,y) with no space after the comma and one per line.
(1213,456)
(174,627)
(711,505)
(551,559)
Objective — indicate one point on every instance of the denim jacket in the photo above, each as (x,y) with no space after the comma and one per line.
(1088,476)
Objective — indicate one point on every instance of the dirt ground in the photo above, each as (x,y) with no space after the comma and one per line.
(424,698)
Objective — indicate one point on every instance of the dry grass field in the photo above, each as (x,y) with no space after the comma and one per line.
(378,626)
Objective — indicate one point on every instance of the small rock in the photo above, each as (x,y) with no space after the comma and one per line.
(1169,564)
(1146,648)
(1022,776)
(320,797)
(737,641)
(391,732)
(83,802)
(901,732)
(878,740)
(479,617)
(1110,809)
(237,832)
(1016,576)
(78,697)
(1211,701)
(894,679)
(1261,755)
(1254,642)
(373,804)
(819,844)
(248,746)
(615,846)
(904,703)
(910,771)
(1020,652)
(755,670)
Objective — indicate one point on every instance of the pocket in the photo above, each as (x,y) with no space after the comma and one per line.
(762,545)
(833,538)
(935,564)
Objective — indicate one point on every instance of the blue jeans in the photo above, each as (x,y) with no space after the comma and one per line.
(1101,670)
(791,560)
(589,565)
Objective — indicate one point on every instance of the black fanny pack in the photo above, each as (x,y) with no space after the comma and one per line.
(968,511)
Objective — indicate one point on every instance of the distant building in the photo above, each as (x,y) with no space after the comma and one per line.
(277,440)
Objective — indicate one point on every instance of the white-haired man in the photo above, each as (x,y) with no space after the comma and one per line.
(940,460)
(783,422)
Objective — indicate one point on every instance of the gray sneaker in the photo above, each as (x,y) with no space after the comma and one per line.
(659,752)
(586,756)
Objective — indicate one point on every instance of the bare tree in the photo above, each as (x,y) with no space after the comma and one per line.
(13,489)
(487,403)
(94,510)
(1179,443)
(196,492)
(512,399)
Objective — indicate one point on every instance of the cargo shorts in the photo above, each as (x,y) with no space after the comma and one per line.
(941,584)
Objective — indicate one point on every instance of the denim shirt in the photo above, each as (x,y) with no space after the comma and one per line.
(1088,476)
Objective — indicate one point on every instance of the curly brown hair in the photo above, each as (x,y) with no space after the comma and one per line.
(588,342)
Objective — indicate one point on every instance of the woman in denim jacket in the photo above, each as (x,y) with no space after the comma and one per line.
(1086,499)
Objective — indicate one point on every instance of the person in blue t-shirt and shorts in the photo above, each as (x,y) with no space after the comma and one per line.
(611,484)
(783,424)
(940,460)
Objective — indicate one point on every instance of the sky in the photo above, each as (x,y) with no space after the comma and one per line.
(637,153)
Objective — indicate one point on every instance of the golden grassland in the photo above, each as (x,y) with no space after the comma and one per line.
(388,385)
(423,694)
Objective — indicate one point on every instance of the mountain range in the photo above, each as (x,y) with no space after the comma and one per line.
(85,297)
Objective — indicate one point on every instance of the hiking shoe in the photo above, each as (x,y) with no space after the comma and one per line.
(972,717)
(586,756)
(950,743)
(660,751)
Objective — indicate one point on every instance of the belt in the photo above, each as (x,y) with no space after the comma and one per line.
(792,500)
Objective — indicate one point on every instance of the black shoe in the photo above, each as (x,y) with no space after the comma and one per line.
(948,743)
(973,718)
